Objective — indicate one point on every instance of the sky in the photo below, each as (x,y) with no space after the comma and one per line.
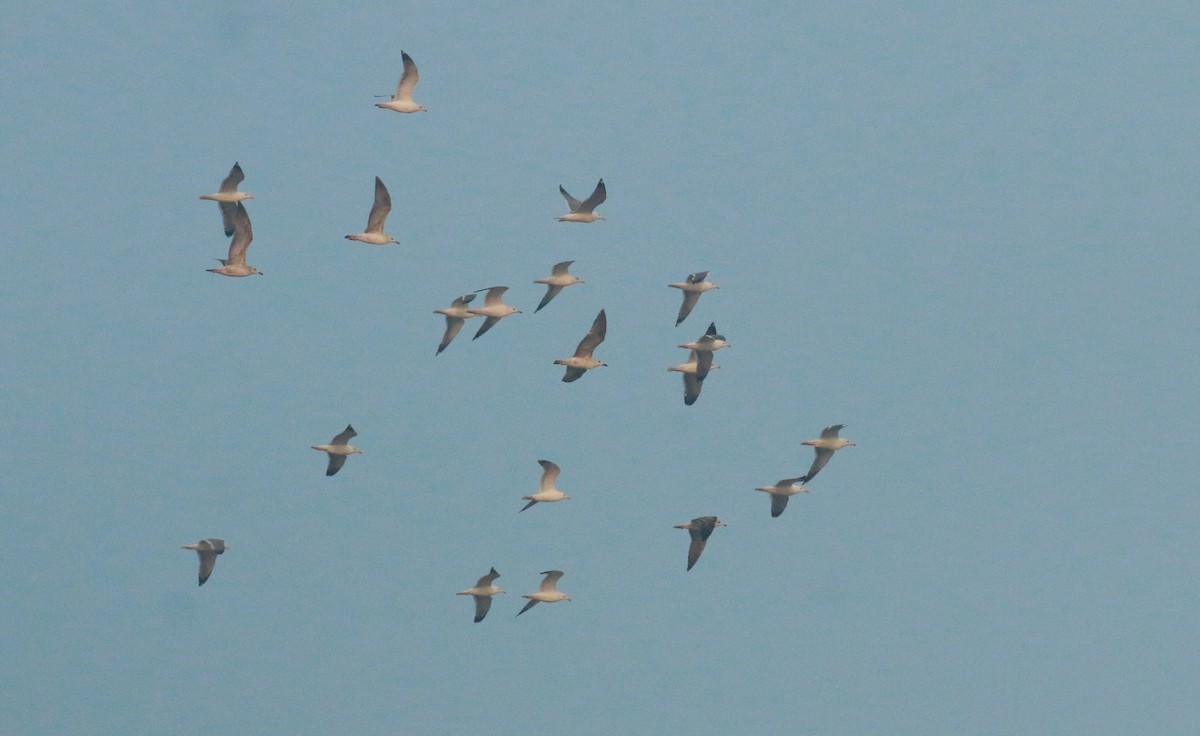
(965,230)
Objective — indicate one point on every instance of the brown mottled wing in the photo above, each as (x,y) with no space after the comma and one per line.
(594,337)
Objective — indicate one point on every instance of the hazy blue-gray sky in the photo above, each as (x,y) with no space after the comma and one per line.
(966,230)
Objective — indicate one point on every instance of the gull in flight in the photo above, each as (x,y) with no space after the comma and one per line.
(402,100)
(583,361)
(780,492)
(692,288)
(338,449)
(709,342)
(582,211)
(559,279)
(483,591)
(547,490)
(456,315)
(235,264)
(228,196)
(825,446)
(374,234)
(494,308)
(700,529)
(207,549)
(694,371)
(547,591)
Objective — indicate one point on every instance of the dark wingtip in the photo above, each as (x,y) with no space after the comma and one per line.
(689,400)
(478,619)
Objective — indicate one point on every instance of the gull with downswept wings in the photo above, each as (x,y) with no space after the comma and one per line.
(235,264)
(338,449)
(374,234)
(402,100)
(582,211)
(483,591)
(547,592)
(456,315)
(694,371)
(827,444)
(547,490)
(558,280)
(582,361)
(781,492)
(228,196)
(494,309)
(207,549)
(692,288)
(700,529)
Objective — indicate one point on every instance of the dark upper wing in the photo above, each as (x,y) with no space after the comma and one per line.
(594,337)
(599,194)
(380,209)
(483,603)
(571,202)
(778,504)
(346,435)
(208,559)
(689,301)
(242,235)
(551,292)
(230,183)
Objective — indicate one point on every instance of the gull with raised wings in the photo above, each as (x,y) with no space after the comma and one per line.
(338,449)
(582,211)
(494,309)
(235,264)
(582,361)
(781,492)
(402,100)
(700,529)
(456,315)
(374,234)
(558,280)
(547,592)
(483,591)
(547,490)
(228,196)
(827,444)
(207,549)
(692,288)
(708,342)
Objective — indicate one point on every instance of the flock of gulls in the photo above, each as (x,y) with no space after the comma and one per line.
(236,223)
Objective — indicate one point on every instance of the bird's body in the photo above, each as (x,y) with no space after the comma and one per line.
(402,99)
(339,449)
(700,529)
(547,490)
(493,310)
(781,492)
(374,234)
(583,211)
(708,342)
(456,315)
(485,588)
(558,280)
(694,371)
(828,443)
(547,592)
(692,288)
(235,264)
(228,196)
(582,361)
(207,549)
